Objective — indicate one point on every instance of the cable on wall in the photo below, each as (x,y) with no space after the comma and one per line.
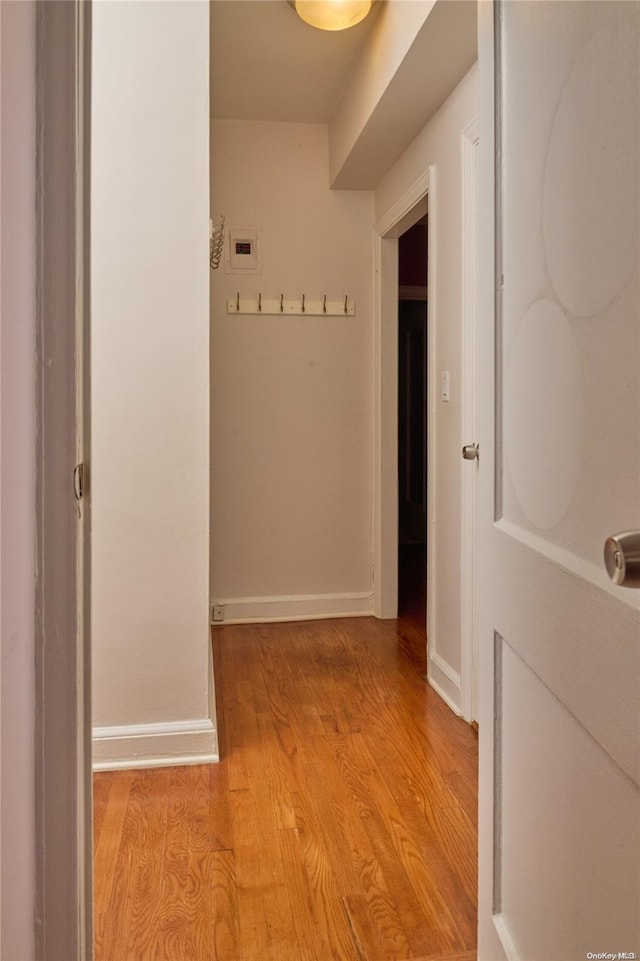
(216,243)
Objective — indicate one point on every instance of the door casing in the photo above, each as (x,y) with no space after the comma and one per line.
(63,711)
(418,199)
(408,210)
(470,142)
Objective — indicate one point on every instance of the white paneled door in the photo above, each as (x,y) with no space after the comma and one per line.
(560,708)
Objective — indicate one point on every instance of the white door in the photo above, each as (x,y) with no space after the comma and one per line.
(560,681)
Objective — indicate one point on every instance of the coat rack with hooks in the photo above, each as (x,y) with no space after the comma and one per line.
(297,306)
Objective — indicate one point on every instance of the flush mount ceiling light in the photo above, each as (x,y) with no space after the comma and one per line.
(332,14)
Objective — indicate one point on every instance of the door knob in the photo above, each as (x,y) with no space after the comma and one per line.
(471,452)
(622,558)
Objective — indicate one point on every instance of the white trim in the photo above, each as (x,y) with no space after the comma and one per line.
(432,424)
(62,770)
(401,215)
(419,199)
(444,680)
(469,143)
(294,607)
(503,932)
(385,421)
(159,744)
(153,729)
(490,942)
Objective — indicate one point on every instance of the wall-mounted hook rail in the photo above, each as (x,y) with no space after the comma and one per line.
(296,306)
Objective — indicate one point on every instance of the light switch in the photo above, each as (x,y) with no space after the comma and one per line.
(444,383)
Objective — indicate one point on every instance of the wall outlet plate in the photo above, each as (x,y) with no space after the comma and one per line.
(217,612)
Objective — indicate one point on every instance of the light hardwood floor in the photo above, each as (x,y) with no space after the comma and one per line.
(340,824)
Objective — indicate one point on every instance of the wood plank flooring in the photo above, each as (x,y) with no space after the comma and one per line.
(340,824)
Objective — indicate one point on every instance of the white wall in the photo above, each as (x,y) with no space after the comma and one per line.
(394,32)
(150,383)
(291,396)
(17,457)
(439,144)
(416,54)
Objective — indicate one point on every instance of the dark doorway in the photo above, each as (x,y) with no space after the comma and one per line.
(412,424)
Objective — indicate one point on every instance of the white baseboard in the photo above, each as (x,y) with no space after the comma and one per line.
(296,607)
(162,744)
(445,681)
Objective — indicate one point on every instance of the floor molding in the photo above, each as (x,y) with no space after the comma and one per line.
(161,744)
(296,607)
(444,680)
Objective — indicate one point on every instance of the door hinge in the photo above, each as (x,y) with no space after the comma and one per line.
(78,481)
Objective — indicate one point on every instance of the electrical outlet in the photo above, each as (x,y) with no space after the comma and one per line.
(217,612)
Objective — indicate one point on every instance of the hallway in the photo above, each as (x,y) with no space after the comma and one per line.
(340,824)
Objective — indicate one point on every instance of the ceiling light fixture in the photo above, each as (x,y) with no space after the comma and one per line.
(332,14)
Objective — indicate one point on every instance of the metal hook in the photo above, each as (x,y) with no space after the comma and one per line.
(303,307)
(281,302)
(345,303)
(324,303)
(259,301)
(238,302)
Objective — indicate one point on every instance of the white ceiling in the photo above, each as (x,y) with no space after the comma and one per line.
(267,64)
(440,55)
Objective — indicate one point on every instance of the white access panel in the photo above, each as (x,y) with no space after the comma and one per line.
(243,254)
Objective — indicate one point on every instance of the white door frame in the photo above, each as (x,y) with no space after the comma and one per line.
(489,667)
(468,663)
(414,203)
(63,717)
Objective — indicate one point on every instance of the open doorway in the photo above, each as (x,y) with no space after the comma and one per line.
(412,423)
